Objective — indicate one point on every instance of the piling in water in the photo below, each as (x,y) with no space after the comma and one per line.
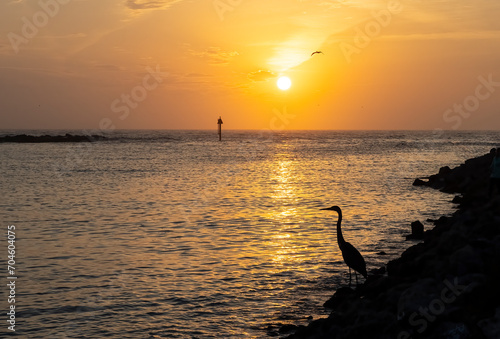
(219,122)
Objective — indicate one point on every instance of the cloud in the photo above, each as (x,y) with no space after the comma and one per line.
(459,35)
(261,75)
(149,4)
(335,4)
(215,55)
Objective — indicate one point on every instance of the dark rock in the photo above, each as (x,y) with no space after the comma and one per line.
(377,285)
(377,271)
(436,181)
(288,328)
(444,170)
(419,182)
(342,295)
(490,326)
(417,231)
(271,332)
(441,221)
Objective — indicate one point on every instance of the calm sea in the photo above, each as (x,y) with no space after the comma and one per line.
(173,234)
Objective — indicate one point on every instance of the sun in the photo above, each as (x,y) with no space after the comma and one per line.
(284,83)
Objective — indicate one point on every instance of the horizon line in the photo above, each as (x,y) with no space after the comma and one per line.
(242,129)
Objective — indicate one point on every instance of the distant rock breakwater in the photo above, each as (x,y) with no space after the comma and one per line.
(23,138)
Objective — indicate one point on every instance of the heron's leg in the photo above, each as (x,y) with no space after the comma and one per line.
(356,275)
(349,277)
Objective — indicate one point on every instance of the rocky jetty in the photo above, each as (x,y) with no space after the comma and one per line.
(446,286)
(23,138)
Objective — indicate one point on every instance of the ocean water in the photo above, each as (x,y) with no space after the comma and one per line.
(173,234)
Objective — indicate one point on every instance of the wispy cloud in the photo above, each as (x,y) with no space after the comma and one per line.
(261,75)
(215,55)
(149,4)
(196,75)
(479,35)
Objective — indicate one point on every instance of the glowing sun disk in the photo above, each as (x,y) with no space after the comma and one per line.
(284,83)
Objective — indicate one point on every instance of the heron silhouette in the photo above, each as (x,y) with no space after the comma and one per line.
(351,255)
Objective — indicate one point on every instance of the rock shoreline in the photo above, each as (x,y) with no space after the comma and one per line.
(23,138)
(446,286)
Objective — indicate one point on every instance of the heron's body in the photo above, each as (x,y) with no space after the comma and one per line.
(351,255)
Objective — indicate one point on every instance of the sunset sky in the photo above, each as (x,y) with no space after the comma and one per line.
(175,64)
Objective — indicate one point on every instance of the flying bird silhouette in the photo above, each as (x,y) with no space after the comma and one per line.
(351,255)
(316,52)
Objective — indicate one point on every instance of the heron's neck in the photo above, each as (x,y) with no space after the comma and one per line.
(340,238)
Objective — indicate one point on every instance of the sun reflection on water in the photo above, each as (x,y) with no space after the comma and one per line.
(290,243)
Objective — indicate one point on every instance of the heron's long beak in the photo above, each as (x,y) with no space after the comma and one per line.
(326,209)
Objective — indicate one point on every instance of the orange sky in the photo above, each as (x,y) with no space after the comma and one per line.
(134,64)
